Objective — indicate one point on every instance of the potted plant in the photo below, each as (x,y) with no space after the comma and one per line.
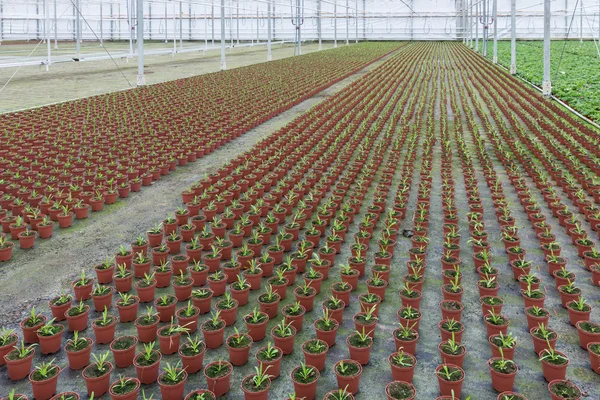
(6,249)
(228,309)
(503,373)
(335,307)
(125,389)
(128,307)
(403,366)
(496,323)
(217,281)
(270,356)
(8,340)
(326,328)
(304,378)
(406,337)
(97,375)
(359,344)
(192,354)
(554,364)
(348,374)
(102,296)
(147,363)
(31,324)
(146,325)
(201,394)
(543,337)
(256,323)
(269,302)
(218,374)
(79,350)
(452,352)
(123,350)
(315,353)
(19,361)
(409,316)
(77,317)
(256,387)
(213,330)
(165,305)
(169,337)
(44,379)
(588,332)
(239,348)
(172,382)
(58,305)
(507,343)
(399,390)
(294,313)
(183,286)
(202,299)
(579,310)
(49,337)
(450,379)
(83,287)
(283,336)
(123,279)
(240,290)
(104,327)
(561,389)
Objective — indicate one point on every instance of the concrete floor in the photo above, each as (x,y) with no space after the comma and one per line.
(32,86)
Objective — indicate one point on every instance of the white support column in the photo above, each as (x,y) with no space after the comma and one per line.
(477,26)
(347,24)
(55,27)
(237,21)
(174,30)
(580,21)
(269,32)
(319,31)
(223,62)
(495,13)
(231,24)
(470,23)
(356,21)
(180,26)
(299,13)
(131,27)
(546,83)
(78,29)
(205,29)
(101,27)
(365,19)
(334,23)
(141,79)
(166,22)
(257,26)
(212,8)
(513,37)
(47,29)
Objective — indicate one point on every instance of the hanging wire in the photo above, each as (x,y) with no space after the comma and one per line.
(52,28)
(565,41)
(104,47)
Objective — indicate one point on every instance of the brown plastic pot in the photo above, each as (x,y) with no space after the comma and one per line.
(147,374)
(123,357)
(307,391)
(97,385)
(44,389)
(172,392)
(447,387)
(351,383)
(81,358)
(125,396)
(220,385)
